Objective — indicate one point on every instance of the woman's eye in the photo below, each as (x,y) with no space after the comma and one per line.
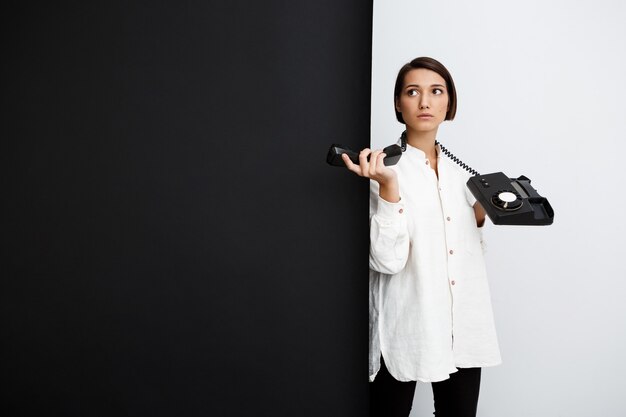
(437,91)
(412,93)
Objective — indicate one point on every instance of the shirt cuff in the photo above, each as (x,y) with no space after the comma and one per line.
(471,200)
(391,211)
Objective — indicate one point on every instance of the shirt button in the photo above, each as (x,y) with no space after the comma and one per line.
(451,252)
(427,162)
(448,218)
(401,211)
(453,282)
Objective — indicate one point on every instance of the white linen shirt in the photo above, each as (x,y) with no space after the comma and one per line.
(430,308)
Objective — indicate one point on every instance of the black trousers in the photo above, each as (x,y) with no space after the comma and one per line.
(454,397)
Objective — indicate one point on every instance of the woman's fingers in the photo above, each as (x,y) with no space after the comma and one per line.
(380,162)
(363,162)
(374,167)
(351,165)
(371,164)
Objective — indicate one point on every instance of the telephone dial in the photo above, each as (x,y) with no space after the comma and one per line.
(507,201)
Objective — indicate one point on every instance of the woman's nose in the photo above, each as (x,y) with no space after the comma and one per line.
(423,103)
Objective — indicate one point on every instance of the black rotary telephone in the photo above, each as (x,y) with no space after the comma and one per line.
(507,201)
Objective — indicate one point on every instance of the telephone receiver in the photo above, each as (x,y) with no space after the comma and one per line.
(392,155)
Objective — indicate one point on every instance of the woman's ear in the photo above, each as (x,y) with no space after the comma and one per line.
(397,101)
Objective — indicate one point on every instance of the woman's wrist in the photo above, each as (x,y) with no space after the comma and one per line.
(389,191)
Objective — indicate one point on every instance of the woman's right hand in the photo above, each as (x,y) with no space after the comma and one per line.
(375,169)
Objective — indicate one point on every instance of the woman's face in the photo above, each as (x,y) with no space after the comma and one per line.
(423,100)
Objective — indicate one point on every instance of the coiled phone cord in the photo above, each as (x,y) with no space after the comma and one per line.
(445,151)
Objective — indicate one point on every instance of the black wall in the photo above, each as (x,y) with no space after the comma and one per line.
(173,243)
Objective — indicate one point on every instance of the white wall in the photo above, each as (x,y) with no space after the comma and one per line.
(541,92)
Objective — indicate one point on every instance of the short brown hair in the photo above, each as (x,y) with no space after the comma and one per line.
(433,65)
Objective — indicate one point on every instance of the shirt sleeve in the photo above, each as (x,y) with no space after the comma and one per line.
(471,200)
(389,236)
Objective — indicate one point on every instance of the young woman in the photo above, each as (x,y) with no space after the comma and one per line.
(430,308)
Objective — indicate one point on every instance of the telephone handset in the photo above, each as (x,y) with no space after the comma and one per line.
(392,155)
(507,201)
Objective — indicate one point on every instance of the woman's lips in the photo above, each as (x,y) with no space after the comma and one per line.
(424,116)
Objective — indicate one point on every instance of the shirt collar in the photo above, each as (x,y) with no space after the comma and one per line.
(418,152)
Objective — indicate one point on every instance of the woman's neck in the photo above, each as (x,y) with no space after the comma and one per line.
(424,141)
